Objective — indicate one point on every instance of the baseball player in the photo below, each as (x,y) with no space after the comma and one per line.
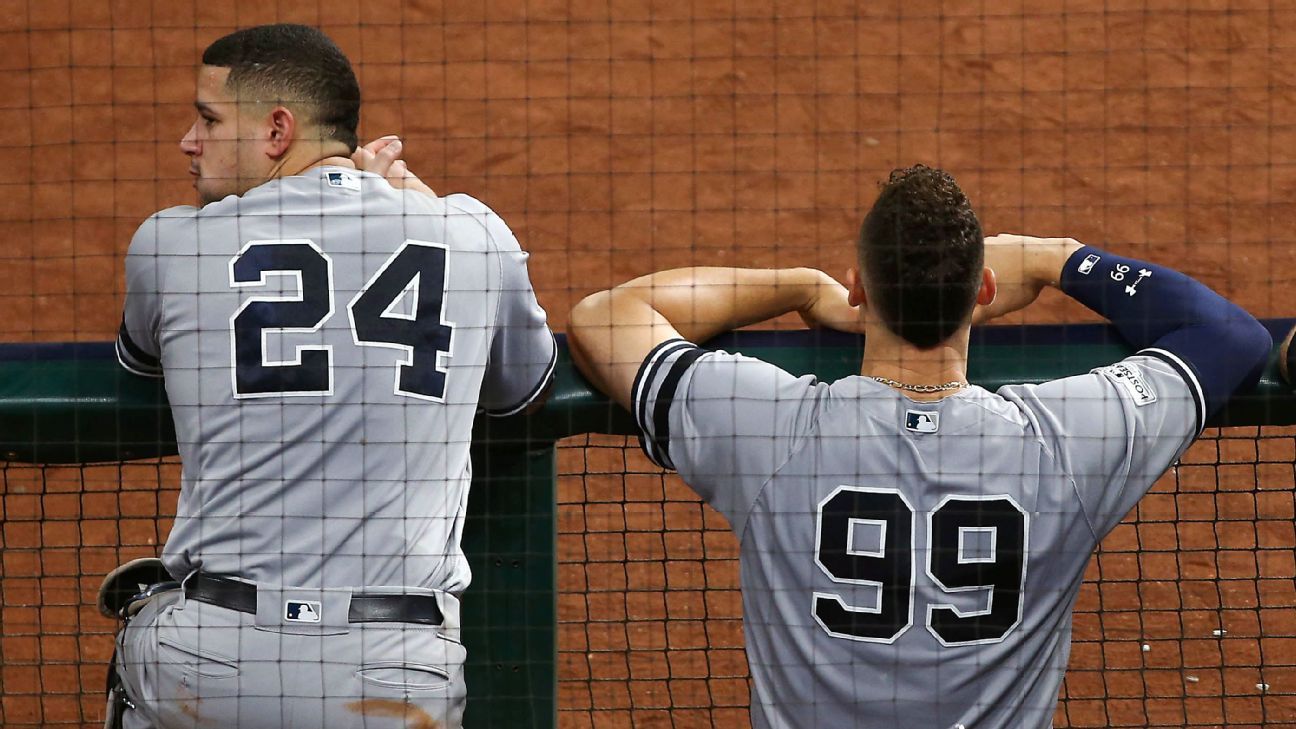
(326,340)
(912,545)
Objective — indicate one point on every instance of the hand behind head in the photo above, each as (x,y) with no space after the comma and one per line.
(382,157)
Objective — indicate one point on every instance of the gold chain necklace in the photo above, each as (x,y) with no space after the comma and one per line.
(952,385)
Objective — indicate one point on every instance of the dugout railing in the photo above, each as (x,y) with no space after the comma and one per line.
(72,404)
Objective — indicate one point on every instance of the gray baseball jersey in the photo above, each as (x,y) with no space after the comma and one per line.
(326,342)
(906,563)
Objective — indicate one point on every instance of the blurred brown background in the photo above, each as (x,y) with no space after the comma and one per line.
(621,136)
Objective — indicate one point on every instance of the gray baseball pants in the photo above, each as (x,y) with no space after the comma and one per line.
(185,663)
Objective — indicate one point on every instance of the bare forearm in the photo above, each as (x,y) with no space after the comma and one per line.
(611,333)
(1023,266)
(703,302)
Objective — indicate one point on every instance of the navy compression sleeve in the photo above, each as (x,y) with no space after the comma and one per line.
(1156,307)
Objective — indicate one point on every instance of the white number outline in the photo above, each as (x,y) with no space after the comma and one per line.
(265,331)
(988,589)
(442,357)
(876,608)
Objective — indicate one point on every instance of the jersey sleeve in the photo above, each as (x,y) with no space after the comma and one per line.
(725,422)
(523,351)
(138,339)
(1118,428)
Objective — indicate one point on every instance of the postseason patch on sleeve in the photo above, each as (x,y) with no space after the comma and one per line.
(1130,377)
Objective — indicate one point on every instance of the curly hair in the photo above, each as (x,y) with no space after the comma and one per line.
(921,253)
(293,65)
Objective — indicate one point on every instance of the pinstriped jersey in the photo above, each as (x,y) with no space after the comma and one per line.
(910,563)
(326,341)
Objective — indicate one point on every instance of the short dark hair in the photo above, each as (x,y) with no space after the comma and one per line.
(921,253)
(294,64)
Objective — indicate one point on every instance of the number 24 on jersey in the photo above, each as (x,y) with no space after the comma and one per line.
(417,268)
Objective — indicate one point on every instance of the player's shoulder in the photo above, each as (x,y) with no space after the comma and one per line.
(464,208)
(1140,374)
(1135,388)
(460,203)
(468,211)
(738,381)
(997,407)
(1046,405)
(1135,380)
(178,212)
(181,216)
(227,208)
(163,228)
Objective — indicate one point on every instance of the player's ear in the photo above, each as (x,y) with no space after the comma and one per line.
(281,130)
(989,287)
(854,287)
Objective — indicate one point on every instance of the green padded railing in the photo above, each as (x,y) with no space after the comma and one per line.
(72,403)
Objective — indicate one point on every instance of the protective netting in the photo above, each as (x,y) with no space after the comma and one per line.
(1187,616)
(64,528)
(1186,619)
(622,136)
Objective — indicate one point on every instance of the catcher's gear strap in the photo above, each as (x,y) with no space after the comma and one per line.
(125,590)
(1223,347)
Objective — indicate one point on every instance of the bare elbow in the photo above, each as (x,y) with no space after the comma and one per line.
(589,313)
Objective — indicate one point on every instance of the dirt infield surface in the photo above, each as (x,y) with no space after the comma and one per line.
(622,136)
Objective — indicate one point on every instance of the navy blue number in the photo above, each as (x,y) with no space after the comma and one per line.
(425,338)
(311,373)
(1000,570)
(999,533)
(889,569)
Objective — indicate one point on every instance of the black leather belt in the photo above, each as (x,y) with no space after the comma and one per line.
(241,596)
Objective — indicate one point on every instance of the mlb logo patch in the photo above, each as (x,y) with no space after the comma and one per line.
(1088,263)
(922,421)
(301,611)
(343,180)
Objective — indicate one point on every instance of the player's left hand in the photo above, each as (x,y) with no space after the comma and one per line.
(382,157)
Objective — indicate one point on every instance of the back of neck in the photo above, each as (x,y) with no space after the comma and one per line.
(889,357)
